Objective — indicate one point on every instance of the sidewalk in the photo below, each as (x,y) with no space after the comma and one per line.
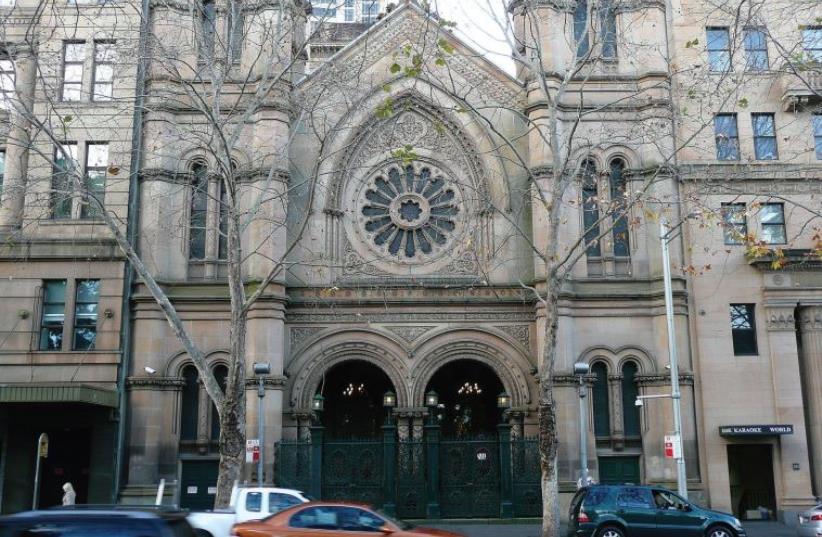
(754,529)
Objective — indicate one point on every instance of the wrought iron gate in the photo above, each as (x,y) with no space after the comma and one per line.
(293,465)
(527,491)
(353,470)
(411,479)
(470,478)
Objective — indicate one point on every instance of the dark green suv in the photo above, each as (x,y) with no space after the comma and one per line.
(637,511)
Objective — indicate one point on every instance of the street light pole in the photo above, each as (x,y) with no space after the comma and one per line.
(676,395)
(261,369)
(580,370)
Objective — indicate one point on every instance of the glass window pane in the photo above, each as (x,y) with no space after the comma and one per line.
(254,502)
(73,73)
(763,125)
(726,124)
(104,52)
(97,155)
(772,213)
(88,290)
(75,52)
(104,73)
(765,148)
(56,291)
(72,92)
(774,234)
(102,92)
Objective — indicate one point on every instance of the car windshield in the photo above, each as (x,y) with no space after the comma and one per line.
(401,524)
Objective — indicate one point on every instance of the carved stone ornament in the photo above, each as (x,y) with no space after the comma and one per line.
(409,333)
(154,383)
(520,332)
(781,320)
(300,334)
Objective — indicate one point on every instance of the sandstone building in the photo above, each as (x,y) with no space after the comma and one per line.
(412,273)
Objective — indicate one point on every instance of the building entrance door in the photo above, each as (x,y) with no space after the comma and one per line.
(619,470)
(198,484)
(751,490)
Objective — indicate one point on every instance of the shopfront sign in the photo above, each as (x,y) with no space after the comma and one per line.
(755,430)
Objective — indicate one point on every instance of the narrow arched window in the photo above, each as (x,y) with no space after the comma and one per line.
(236,26)
(199,211)
(208,25)
(189,404)
(590,208)
(630,411)
(222,241)
(220,375)
(619,204)
(602,408)
(608,28)
(581,28)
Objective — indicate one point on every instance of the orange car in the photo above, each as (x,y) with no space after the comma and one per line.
(332,519)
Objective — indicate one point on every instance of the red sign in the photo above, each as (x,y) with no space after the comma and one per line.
(669,450)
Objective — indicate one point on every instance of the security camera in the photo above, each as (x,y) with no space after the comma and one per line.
(638,402)
(262,368)
(668,367)
(581,368)
(150,370)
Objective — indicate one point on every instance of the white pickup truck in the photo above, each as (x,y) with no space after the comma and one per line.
(247,503)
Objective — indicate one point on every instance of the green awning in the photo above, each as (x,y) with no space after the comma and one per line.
(57,393)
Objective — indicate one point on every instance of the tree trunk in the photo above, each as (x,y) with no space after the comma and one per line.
(548,445)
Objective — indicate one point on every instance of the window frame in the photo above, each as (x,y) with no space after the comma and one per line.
(78,315)
(43,306)
(759,137)
(591,209)
(85,212)
(776,225)
(814,51)
(189,403)
(601,401)
(198,186)
(65,65)
(618,185)
(608,29)
(95,71)
(582,30)
(8,79)
(207,29)
(235,27)
(816,126)
(753,344)
(731,141)
(733,209)
(757,50)
(64,175)
(717,54)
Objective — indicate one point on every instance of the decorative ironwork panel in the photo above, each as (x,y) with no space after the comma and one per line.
(292,466)
(411,481)
(469,478)
(527,476)
(353,470)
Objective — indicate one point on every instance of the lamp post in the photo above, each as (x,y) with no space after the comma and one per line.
(389,443)
(676,396)
(506,505)
(432,401)
(260,370)
(432,449)
(389,402)
(580,370)
(317,407)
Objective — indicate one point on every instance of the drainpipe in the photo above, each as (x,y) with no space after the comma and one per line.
(132,224)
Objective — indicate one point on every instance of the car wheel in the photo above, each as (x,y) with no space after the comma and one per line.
(720,531)
(611,531)
(199,532)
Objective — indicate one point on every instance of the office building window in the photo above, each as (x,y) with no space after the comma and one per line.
(62,180)
(74,57)
(727,137)
(348,11)
(772,220)
(53,316)
(743,329)
(6,83)
(236,27)
(95,180)
(370,10)
(85,314)
(600,398)
(756,50)
(103,83)
(764,132)
(817,134)
(734,223)
(719,49)
(812,43)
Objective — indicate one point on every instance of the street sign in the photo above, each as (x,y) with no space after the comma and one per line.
(755,430)
(252,450)
(43,445)
(673,447)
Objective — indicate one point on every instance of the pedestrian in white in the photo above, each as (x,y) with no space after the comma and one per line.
(70,496)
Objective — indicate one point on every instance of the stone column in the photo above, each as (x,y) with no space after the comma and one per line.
(811,330)
(18,141)
(796,485)
(617,421)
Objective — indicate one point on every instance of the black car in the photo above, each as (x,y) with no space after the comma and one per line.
(97,522)
(640,511)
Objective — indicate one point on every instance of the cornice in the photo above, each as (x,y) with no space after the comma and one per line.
(569,5)
(155,383)
(244,176)
(749,171)
(660,379)
(789,260)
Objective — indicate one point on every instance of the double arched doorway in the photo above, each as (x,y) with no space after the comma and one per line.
(353,393)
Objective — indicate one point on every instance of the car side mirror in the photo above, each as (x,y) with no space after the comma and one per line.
(687,508)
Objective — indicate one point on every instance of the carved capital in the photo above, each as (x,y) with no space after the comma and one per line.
(154,383)
(810,318)
(780,319)
(276,381)
(663,380)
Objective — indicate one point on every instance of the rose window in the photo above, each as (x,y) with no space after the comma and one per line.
(410,212)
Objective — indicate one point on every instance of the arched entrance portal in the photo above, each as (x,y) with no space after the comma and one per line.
(468,392)
(353,392)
